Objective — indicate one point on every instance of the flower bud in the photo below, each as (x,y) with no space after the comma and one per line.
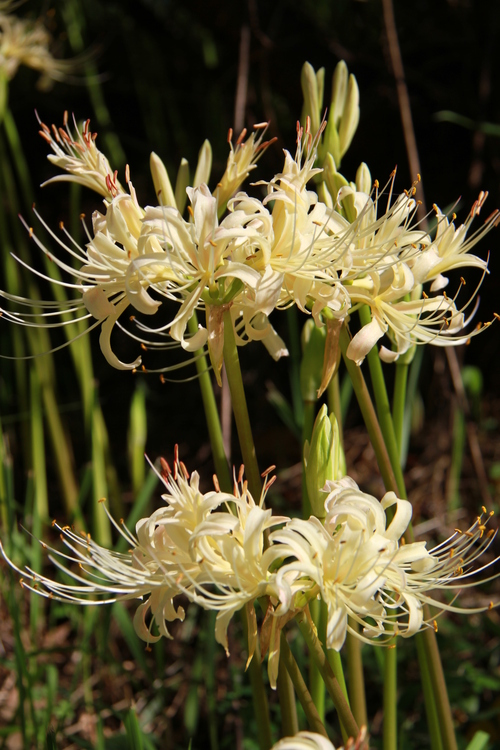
(163,188)
(363,179)
(350,116)
(181,183)
(323,459)
(313,354)
(204,166)
(312,89)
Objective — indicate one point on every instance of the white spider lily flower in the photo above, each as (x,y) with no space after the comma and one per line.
(236,565)
(241,161)
(314,741)
(26,42)
(77,154)
(435,320)
(158,566)
(450,247)
(208,261)
(360,566)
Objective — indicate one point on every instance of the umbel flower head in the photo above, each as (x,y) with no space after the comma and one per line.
(26,42)
(361,567)
(211,548)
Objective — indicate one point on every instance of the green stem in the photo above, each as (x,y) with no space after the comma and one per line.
(430,705)
(331,683)
(369,415)
(303,694)
(211,414)
(390,731)
(289,721)
(316,683)
(259,697)
(439,691)
(399,404)
(307,428)
(383,407)
(240,409)
(356,678)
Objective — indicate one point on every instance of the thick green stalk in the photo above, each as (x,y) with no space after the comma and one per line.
(369,415)
(307,428)
(211,414)
(331,683)
(259,696)
(440,693)
(430,705)
(356,678)
(390,731)
(399,406)
(289,720)
(303,694)
(240,409)
(316,683)
(383,407)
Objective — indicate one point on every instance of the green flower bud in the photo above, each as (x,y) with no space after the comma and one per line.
(181,184)
(312,89)
(313,354)
(350,116)
(339,93)
(323,459)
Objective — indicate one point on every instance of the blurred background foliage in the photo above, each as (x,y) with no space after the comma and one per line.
(163,75)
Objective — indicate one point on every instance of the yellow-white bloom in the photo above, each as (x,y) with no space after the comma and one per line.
(24,42)
(361,568)
(314,741)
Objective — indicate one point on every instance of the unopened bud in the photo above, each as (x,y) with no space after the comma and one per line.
(350,116)
(323,459)
(363,179)
(204,166)
(163,187)
(181,184)
(313,354)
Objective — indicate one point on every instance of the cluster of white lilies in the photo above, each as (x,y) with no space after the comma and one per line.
(253,255)
(224,552)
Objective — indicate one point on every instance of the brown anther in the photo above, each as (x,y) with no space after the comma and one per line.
(102,500)
(496,316)
(21,582)
(491,513)
(490,605)
(190,211)
(148,648)
(144,347)
(184,470)
(165,468)
(229,135)
(211,242)
(483,508)
(132,318)
(391,645)
(376,184)
(270,483)
(127,173)
(45,136)
(435,626)
(418,177)
(459,531)
(82,217)
(143,368)
(425,296)
(260,125)
(30,232)
(462,280)
(54,523)
(268,471)
(216,483)
(134,371)
(241,137)
(419,203)
(162,379)
(436,209)
(241,473)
